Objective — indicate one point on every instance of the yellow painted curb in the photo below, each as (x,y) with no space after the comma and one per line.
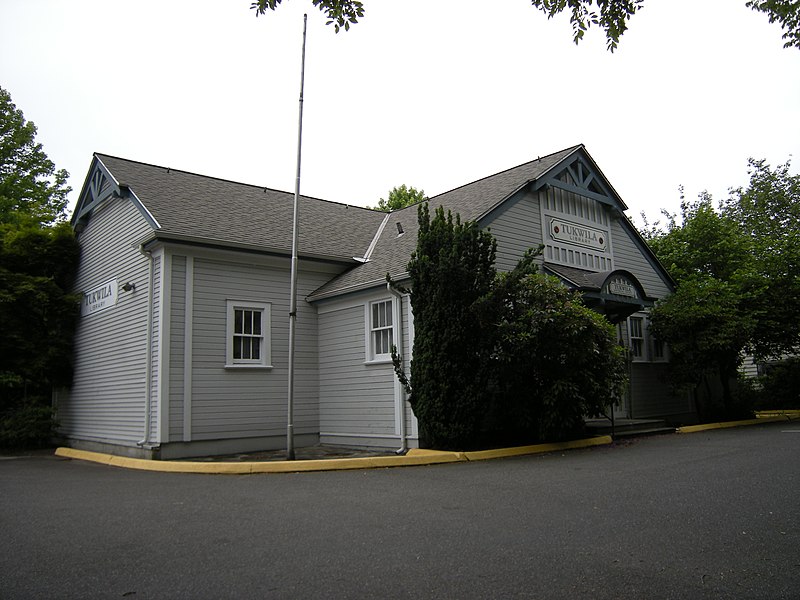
(245,468)
(414,457)
(727,424)
(787,414)
(538,448)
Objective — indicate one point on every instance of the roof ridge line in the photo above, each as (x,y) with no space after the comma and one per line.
(223,179)
(570,148)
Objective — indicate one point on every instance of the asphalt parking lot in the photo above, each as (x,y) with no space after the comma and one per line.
(704,515)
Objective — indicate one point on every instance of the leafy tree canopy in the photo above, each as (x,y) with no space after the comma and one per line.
(556,361)
(38,262)
(768,214)
(400,197)
(508,358)
(707,242)
(610,15)
(30,186)
(737,266)
(341,13)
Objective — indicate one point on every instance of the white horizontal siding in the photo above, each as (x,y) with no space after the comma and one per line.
(232,403)
(107,396)
(628,256)
(517,226)
(355,398)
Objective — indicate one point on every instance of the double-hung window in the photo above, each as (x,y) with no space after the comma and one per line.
(636,333)
(381,330)
(248,334)
(642,344)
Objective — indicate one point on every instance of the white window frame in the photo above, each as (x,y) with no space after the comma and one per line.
(372,329)
(654,343)
(265,359)
(648,342)
(642,356)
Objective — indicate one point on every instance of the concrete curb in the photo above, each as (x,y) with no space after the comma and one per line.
(538,449)
(789,414)
(413,458)
(729,424)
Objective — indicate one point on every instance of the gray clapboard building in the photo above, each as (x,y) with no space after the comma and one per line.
(182,344)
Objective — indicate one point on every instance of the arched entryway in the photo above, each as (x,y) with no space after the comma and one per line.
(617,294)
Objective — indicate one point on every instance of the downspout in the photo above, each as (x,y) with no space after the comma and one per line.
(400,390)
(148,401)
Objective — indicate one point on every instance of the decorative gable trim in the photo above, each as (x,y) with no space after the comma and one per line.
(579,174)
(101,185)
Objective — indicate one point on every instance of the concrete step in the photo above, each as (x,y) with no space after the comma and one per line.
(626,428)
(629,433)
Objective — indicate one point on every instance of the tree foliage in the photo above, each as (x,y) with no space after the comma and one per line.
(738,272)
(768,214)
(513,357)
(30,186)
(452,270)
(340,13)
(610,15)
(557,361)
(785,12)
(37,268)
(707,327)
(38,262)
(401,197)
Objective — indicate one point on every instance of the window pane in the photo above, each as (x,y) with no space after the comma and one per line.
(388,309)
(384,345)
(381,314)
(257,322)
(245,348)
(248,321)
(238,317)
(237,347)
(636,327)
(256,350)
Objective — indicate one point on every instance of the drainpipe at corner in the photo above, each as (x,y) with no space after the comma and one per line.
(400,390)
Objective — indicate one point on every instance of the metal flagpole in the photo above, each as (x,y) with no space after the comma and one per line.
(293,295)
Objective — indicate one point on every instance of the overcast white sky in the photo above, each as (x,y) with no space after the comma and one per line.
(433,94)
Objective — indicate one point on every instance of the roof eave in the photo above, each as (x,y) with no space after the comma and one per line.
(189,240)
(358,287)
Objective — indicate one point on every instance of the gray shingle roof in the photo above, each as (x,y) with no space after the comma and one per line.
(216,211)
(471,201)
(220,212)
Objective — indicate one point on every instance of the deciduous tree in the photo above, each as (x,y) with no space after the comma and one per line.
(38,261)
(30,186)
(767,211)
(610,15)
(401,197)
(556,360)
(738,272)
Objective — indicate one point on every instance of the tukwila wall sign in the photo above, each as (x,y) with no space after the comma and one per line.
(580,235)
(100,298)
